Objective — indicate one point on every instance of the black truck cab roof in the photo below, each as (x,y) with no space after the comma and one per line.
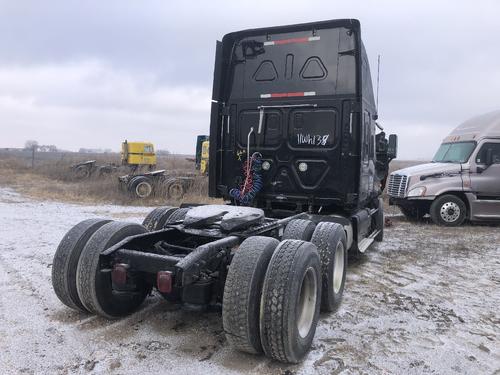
(299,101)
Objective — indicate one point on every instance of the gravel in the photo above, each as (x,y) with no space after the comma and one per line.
(423,301)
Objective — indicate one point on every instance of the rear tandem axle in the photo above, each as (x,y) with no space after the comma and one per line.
(270,276)
(172,266)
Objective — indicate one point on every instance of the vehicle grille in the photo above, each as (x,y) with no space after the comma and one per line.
(397,185)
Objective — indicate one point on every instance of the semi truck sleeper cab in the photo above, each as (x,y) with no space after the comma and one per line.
(461,183)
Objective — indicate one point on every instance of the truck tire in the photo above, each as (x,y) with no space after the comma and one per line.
(448,210)
(82,172)
(299,229)
(242,293)
(66,259)
(412,213)
(141,187)
(176,189)
(379,221)
(157,218)
(290,301)
(94,284)
(330,239)
(178,215)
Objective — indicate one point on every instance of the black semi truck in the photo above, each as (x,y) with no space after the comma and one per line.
(295,156)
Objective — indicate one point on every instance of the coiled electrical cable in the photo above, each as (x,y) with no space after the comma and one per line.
(252,183)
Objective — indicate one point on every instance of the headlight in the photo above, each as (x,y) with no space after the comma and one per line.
(417,192)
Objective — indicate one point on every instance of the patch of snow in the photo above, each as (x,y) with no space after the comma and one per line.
(423,301)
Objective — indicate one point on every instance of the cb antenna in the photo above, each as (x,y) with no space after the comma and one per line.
(378,79)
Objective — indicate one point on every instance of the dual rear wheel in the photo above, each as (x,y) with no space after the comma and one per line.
(93,275)
(66,259)
(157,218)
(273,293)
(81,278)
(274,290)
(330,240)
(143,187)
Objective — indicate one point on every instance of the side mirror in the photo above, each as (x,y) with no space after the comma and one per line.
(392,149)
(381,143)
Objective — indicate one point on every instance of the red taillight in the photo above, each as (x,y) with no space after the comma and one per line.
(164,281)
(119,274)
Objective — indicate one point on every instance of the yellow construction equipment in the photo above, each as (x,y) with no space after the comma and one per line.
(205,146)
(138,153)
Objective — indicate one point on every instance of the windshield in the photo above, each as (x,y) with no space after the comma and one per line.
(454,152)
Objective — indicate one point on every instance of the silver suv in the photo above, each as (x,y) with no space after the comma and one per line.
(462,181)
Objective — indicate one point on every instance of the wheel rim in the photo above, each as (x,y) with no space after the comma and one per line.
(82,173)
(307,302)
(176,191)
(338,268)
(450,212)
(143,189)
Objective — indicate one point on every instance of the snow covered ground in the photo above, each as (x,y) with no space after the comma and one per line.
(426,300)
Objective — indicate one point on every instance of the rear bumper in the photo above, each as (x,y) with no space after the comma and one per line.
(186,269)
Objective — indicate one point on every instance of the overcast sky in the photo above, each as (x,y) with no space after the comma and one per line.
(92,73)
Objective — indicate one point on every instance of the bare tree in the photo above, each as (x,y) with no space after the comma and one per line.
(30,144)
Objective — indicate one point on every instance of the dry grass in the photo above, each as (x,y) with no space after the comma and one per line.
(51,179)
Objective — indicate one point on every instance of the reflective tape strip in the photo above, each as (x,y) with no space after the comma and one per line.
(292,40)
(288,94)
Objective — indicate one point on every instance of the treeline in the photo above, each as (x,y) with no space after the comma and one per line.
(33,145)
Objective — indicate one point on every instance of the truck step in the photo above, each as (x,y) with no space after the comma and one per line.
(365,243)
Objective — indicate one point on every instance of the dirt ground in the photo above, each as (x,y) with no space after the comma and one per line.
(426,300)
